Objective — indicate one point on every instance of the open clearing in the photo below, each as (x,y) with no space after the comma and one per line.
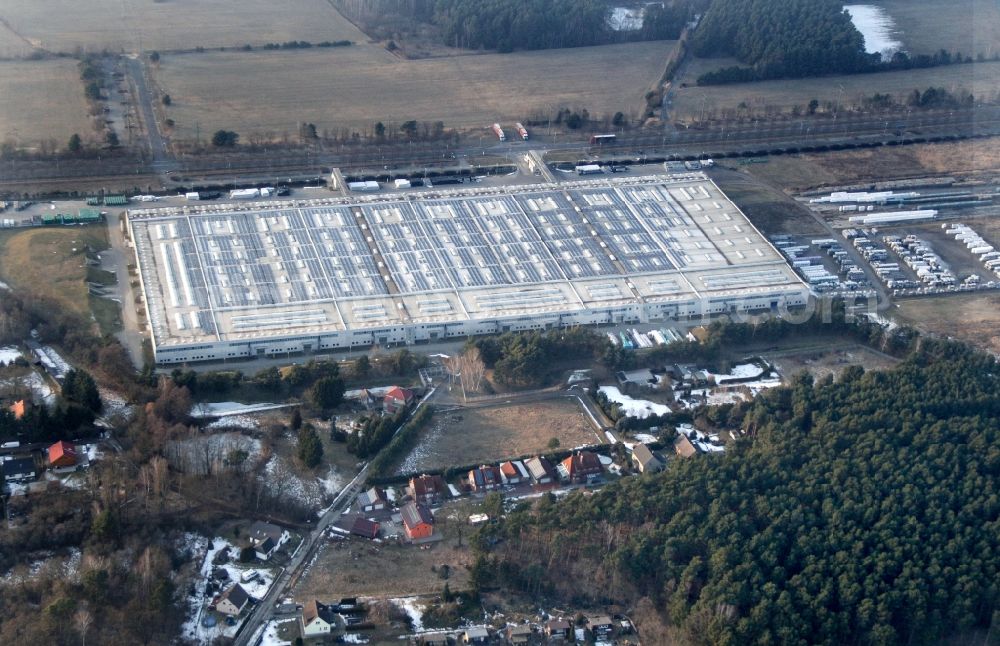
(966,26)
(474,435)
(41,100)
(57,255)
(143,25)
(973,318)
(831,362)
(808,170)
(979,78)
(770,210)
(273,91)
(356,567)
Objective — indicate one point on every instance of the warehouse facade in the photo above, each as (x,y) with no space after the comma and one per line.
(250,280)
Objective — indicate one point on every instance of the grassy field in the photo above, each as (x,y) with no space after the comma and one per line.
(50,262)
(981,79)
(490,434)
(354,87)
(967,26)
(806,171)
(974,318)
(831,362)
(143,25)
(359,567)
(41,100)
(12,45)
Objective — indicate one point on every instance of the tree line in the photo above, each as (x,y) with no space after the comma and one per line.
(858,510)
(508,25)
(780,38)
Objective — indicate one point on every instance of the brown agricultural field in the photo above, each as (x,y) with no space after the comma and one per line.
(143,25)
(808,170)
(689,102)
(12,45)
(968,26)
(973,318)
(42,100)
(500,431)
(356,567)
(272,92)
(58,254)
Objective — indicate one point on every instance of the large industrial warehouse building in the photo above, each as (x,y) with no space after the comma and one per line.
(227,281)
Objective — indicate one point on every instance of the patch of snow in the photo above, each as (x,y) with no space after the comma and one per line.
(8,355)
(223,409)
(116,409)
(877,27)
(639,408)
(33,382)
(231,421)
(4,286)
(605,460)
(645,438)
(741,371)
(358,393)
(283,481)
(413,611)
(353,638)
(270,635)
(197,604)
(701,441)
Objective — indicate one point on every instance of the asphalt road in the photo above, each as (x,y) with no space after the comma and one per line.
(250,632)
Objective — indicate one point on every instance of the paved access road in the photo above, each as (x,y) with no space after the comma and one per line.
(250,632)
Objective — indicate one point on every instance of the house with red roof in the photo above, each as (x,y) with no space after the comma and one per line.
(62,455)
(397,399)
(581,467)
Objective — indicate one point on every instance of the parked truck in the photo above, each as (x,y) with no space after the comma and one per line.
(522,132)
(499,132)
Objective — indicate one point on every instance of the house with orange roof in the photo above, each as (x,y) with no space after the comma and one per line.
(62,455)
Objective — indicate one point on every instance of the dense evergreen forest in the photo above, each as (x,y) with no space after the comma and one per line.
(507,25)
(864,510)
(782,38)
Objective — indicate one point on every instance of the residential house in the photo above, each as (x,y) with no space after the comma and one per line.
(418,521)
(485,478)
(264,549)
(519,634)
(428,489)
(18,469)
(600,626)
(318,619)
(683,446)
(540,469)
(558,630)
(372,500)
(232,601)
(18,408)
(62,455)
(476,635)
(266,538)
(356,525)
(513,472)
(582,466)
(435,638)
(644,459)
(397,399)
